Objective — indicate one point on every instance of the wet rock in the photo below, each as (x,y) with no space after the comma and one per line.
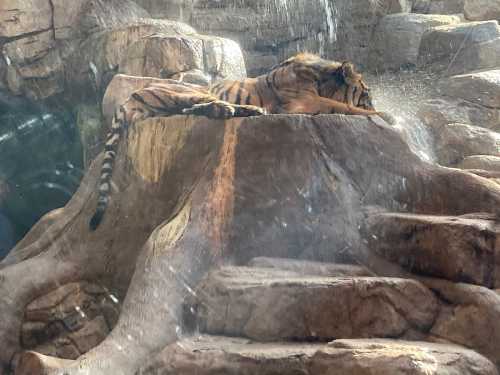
(482,10)
(439,112)
(165,56)
(485,162)
(438,6)
(461,48)
(455,248)
(272,304)
(453,142)
(397,39)
(69,321)
(90,124)
(481,88)
(304,267)
(210,355)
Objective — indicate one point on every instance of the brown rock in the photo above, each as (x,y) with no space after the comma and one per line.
(453,142)
(217,355)
(304,267)
(270,304)
(165,56)
(482,10)
(455,248)
(485,162)
(439,112)
(19,17)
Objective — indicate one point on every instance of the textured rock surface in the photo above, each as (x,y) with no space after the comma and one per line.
(481,88)
(461,48)
(436,113)
(166,55)
(462,249)
(69,321)
(397,39)
(438,6)
(453,142)
(486,162)
(482,10)
(208,355)
(274,305)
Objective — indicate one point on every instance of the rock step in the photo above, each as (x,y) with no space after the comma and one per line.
(268,304)
(457,248)
(210,355)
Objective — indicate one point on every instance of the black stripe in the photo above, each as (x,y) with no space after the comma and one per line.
(140,99)
(238,95)
(225,97)
(248,100)
(159,99)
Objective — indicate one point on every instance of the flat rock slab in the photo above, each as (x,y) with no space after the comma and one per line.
(305,267)
(271,304)
(456,248)
(484,162)
(208,355)
(482,88)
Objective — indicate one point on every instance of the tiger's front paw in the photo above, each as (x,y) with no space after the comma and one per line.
(249,110)
(217,110)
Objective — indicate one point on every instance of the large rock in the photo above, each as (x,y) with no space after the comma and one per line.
(438,6)
(453,142)
(456,49)
(397,38)
(485,162)
(162,55)
(482,88)
(482,10)
(436,113)
(272,305)
(170,9)
(454,248)
(19,17)
(209,355)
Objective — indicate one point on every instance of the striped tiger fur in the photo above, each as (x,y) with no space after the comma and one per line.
(304,84)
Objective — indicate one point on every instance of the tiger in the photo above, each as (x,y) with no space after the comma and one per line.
(303,84)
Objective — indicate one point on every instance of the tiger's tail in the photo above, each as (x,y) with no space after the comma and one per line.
(114,135)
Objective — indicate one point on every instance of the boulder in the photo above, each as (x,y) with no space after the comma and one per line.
(453,142)
(179,10)
(438,6)
(460,248)
(273,305)
(485,162)
(20,17)
(481,88)
(211,355)
(482,10)
(165,56)
(397,38)
(461,48)
(436,113)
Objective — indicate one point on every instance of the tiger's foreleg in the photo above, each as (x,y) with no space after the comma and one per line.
(221,109)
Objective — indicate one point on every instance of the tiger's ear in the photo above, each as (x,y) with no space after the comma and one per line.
(349,73)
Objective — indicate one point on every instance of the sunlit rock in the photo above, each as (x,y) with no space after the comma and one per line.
(438,6)
(461,48)
(211,355)
(482,88)
(438,112)
(165,56)
(397,38)
(482,10)
(461,249)
(454,141)
(485,162)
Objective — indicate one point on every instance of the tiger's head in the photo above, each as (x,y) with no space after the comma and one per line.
(331,79)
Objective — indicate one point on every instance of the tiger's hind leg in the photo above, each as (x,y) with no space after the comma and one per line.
(224,110)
